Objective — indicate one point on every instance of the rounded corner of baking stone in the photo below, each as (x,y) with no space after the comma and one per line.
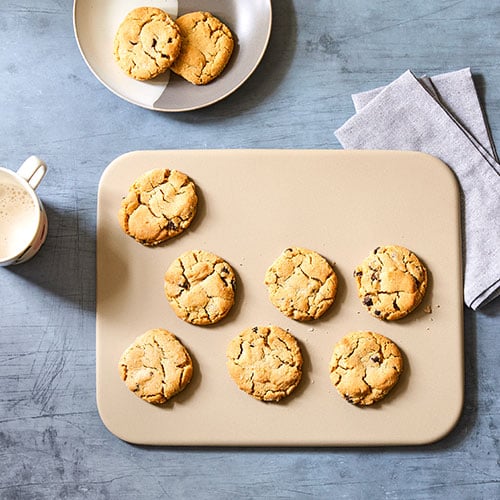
(446,428)
(109,425)
(437,163)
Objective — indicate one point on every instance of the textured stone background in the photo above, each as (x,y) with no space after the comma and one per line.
(52,441)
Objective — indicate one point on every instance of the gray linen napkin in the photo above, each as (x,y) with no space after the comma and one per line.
(409,114)
(457,93)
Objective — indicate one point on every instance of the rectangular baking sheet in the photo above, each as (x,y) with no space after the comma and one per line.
(253,205)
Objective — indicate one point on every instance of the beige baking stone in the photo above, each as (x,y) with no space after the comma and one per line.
(254,204)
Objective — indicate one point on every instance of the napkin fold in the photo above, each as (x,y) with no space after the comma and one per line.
(442,116)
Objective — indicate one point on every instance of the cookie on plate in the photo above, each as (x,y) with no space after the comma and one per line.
(156,366)
(200,287)
(301,284)
(207,45)
(365,366)
(391,282)
(265,362)
(146,43)
(160,204)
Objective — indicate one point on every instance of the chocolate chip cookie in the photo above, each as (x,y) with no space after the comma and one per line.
(391,282)
(146,43)
(301,284)
(160,204)
(365,366)
(156,366)
(265,362)
(207,45)
(200,287)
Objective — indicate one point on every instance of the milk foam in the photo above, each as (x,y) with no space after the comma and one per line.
(18,221)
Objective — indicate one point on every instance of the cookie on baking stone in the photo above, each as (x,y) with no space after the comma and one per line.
(146,43)
(156,366)
(391,282)
(160,204)
(207,45)
(365,366)
(301,284)
(265,362)
(200,286)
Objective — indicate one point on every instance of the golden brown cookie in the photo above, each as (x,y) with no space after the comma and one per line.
(265,362)
(301,284)
(200,287)
(365,366)
(207,45)
(391,282)
(156,366)
(146,43)
(160,204)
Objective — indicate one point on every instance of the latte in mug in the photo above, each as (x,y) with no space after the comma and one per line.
(18,220)
(23,221)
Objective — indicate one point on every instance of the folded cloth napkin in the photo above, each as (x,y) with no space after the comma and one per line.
(442,116)
(457,93)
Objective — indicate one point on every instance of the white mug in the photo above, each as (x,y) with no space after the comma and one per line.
(23,221)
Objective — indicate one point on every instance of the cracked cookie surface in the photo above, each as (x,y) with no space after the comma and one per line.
(301,284)
(160,204)
(391,282)
(146,43)
(365,366)
(200,287)
(265,362)
(156,366)
(207,45)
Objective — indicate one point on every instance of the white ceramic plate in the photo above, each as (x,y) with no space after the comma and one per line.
(96,22)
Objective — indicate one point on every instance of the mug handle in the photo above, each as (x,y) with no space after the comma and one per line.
(33,170)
